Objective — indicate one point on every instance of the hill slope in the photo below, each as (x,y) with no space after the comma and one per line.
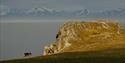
(77,57)
(100,41)
(87,36)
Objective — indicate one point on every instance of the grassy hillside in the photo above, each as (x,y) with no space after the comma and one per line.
(111,56)
(84,42)
(88,36)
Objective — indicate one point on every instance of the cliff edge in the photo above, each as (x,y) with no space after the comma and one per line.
(87,36)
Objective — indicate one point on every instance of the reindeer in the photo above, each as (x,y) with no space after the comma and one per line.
(27,54)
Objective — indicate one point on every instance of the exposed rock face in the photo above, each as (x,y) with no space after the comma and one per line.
(87,36)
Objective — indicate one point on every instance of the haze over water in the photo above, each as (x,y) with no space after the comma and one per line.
(18,38)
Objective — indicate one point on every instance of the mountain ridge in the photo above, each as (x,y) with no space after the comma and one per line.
(46,12)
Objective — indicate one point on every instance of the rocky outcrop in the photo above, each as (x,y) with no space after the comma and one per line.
(86,36)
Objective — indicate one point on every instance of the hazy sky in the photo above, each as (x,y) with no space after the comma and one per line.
(18,38)
(65,4)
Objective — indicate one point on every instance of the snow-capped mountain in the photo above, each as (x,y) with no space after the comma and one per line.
(3,10)
(81,12)
(39,11)
(46,12)
(110,13)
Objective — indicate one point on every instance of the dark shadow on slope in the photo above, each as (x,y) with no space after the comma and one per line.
(104,56)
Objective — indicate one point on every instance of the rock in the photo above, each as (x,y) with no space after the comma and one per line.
(82,36)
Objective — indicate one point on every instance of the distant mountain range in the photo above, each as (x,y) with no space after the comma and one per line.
(46,12)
